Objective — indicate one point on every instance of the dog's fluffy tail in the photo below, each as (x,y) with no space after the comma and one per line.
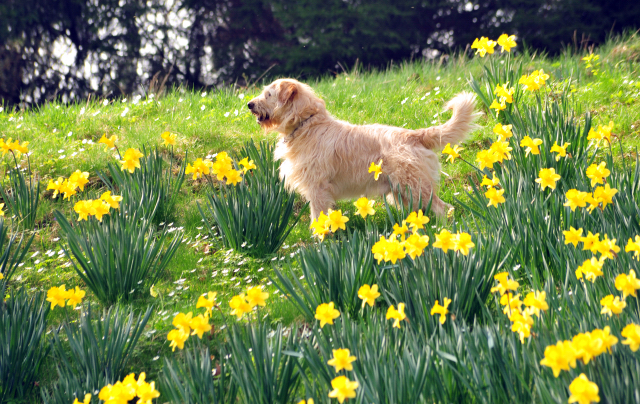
(455,129)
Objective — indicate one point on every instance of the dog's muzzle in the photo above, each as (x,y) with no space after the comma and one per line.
(261,116)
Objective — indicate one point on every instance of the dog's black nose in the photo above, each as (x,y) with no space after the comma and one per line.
(250,105)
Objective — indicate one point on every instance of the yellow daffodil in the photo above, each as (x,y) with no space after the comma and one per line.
(396,315)
(55,186)
(131,160)
(607,248)
(533,81)
(208,301)
(147,392)
(483,45)
(462,243)
(68,189)
(536,301)
(490,183)
(589,241)
(627,284)
(604,195)
(504,283)
(501,151)
(512,303)
(257,297)
(112,200)
(598,173)
(200,168)
(177,337)
(183,321)
(394,250)
(507,42)
(75,296)
(612,305)
(417,220)
(336,220)
(110,142)
(87,399)
(368,294)
(573,236)
(219,168)
(531,145)
(521,324)
(498,106)
(119,393)
(415,244)
(602,133)
(494,196)
(486,158)
(561,356)
(400,230)
(57,296)
(442,310)
(453,153)
(233,177)
(376,169)
(445,240)
(169,138)
(80,179)
(326,313)
(319,226)
(342,360)
(247,165)
(199,325)
(84,209)
(561,150)
(632,334)
(100,208)
(503,131)
(365,207)
(547,177)
(576,199)
(343,388)
(504,93)
(634,246)
(239,305)
(590,269)
(379,249)
(583,391)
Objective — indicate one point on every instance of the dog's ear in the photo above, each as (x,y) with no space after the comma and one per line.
(287,92)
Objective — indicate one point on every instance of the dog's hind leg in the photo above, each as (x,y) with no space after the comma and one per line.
(321,199)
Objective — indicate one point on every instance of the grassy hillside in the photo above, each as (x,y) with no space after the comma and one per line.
(64,138)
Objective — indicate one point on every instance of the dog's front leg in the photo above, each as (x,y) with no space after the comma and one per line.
(321,199)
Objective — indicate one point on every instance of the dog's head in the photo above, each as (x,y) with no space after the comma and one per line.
(284,104)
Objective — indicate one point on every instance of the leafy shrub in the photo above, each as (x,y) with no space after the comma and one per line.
(264,373)
(22,198)
(151,188)
(120,256)
(190,380)
(257,215)
(23,320)
(97,353)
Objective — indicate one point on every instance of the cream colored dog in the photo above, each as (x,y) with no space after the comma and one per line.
(326,159)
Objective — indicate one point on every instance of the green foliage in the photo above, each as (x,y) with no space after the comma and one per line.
(256,215)
(260,367)
(119,257)
(152,188)
(22,198)
(336,269)
(11,256)
(94,354)
(190,380)
(23,321)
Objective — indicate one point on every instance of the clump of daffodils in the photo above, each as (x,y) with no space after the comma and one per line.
(222,168)
(521,318)
(13,146)
(59,296)
(335,220)
(584,346)
(244,303)
(129,389)
(97,207)
(187,324)
(70,186)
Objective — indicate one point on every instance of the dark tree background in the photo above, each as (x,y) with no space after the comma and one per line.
(70,49)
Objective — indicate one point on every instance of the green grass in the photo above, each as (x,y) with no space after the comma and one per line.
(63,139)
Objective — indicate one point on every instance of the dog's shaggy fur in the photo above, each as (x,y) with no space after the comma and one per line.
(326,159)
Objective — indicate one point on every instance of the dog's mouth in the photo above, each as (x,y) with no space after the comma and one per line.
(261,118)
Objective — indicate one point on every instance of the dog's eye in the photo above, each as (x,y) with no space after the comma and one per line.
(268,94)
